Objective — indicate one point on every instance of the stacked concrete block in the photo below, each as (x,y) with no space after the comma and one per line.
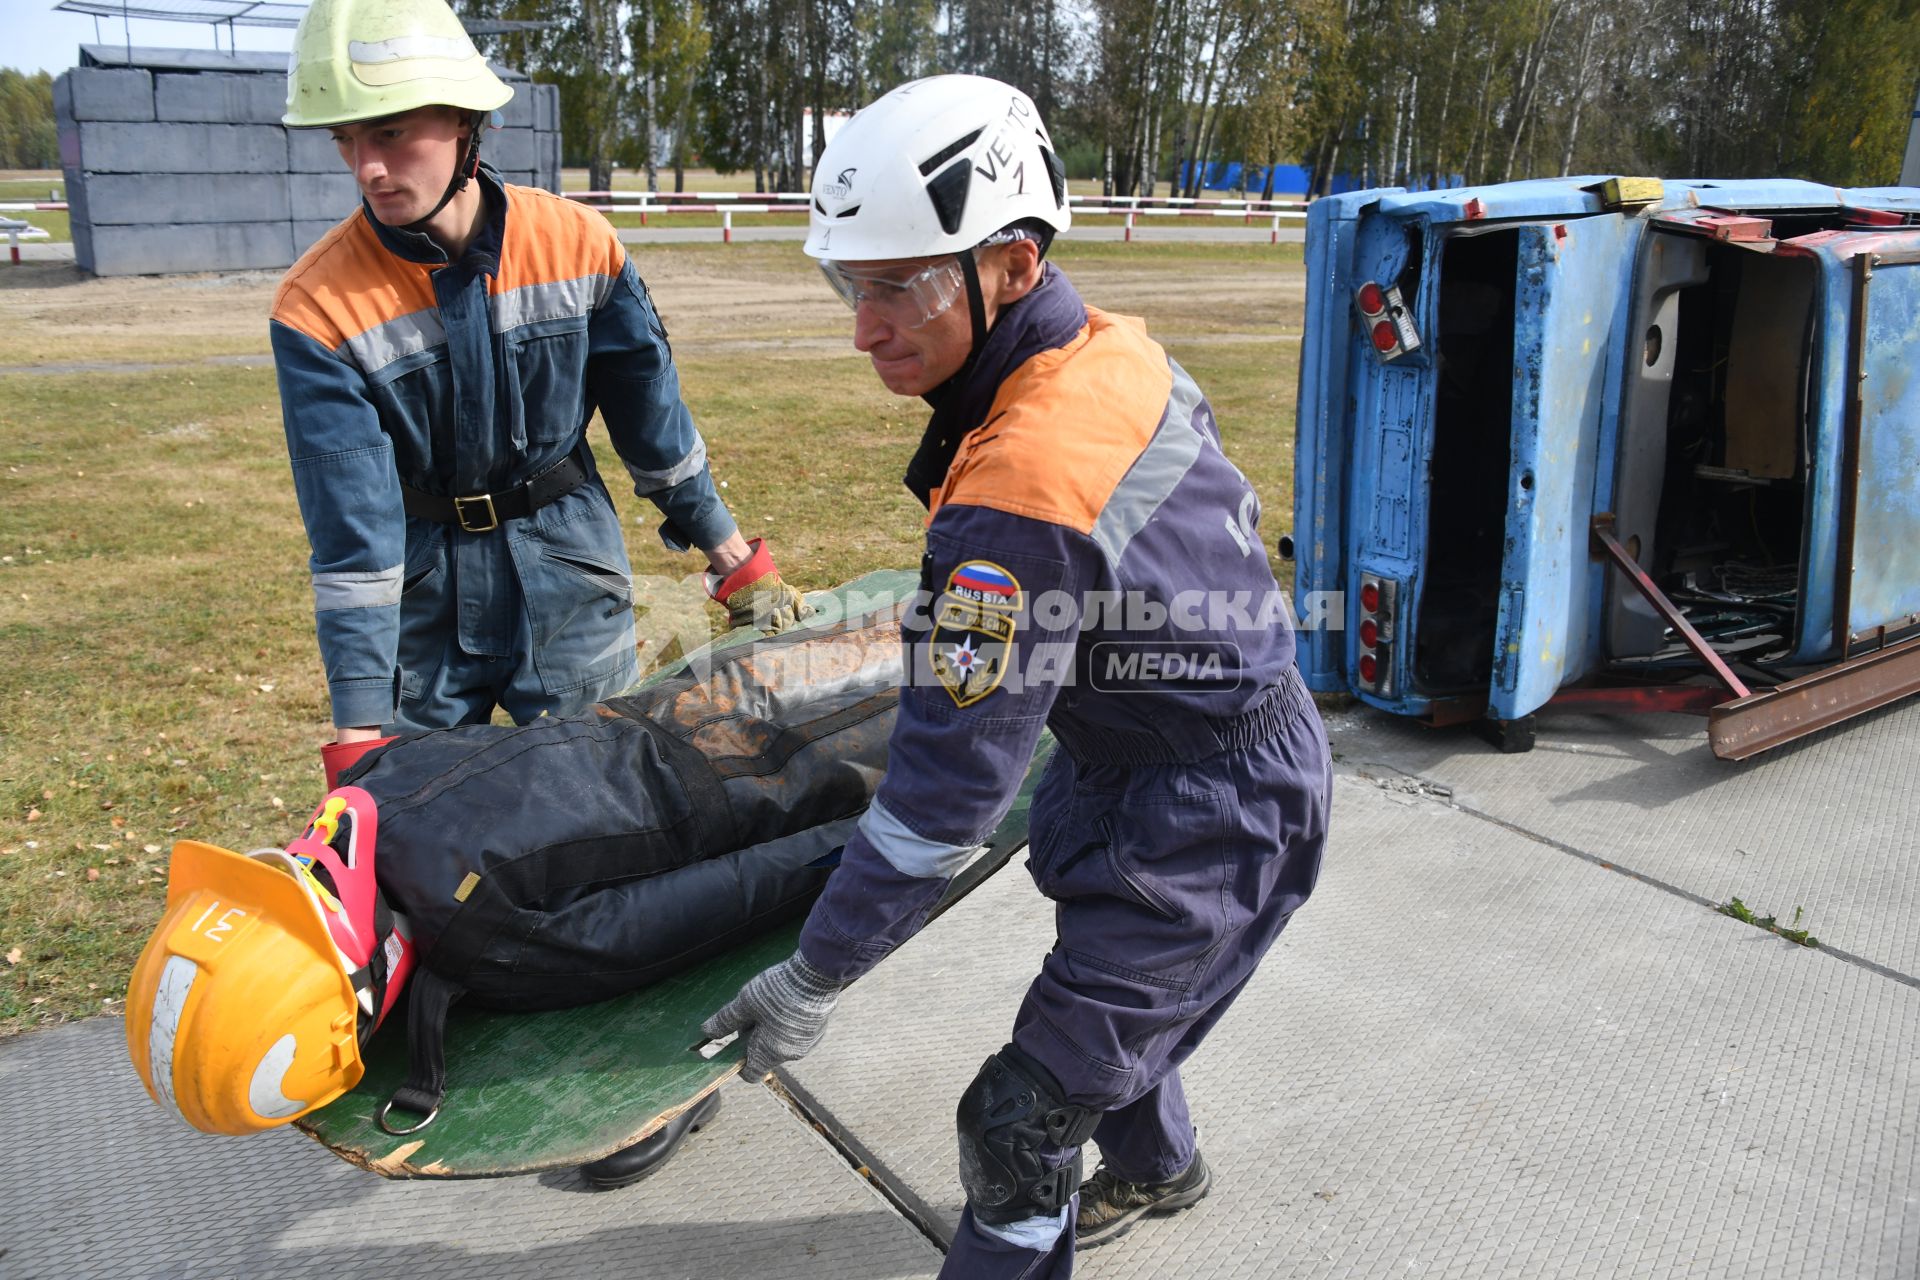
(176,161)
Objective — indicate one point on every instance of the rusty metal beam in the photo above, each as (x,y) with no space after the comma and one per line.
(1609,546)
(1762,721)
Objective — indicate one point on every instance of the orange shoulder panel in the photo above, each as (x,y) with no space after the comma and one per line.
(1065,427)
(348,283)
(551,238)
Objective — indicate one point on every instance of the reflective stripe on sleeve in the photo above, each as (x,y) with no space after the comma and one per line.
(646,482)
(356,589)
(1155,473)
(910,853)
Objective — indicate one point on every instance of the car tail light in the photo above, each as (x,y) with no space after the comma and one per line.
(1389,326)
(1378,598)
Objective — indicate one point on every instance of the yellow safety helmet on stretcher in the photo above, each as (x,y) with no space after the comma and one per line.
(266,975)
(365,59)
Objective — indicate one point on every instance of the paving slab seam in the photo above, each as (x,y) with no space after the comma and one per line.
(894,1189)
(1606,864)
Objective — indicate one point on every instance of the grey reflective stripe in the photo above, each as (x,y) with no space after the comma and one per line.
(911,853)
(1154,474)
(1036,1233)
(408,335)
(646,482)
(356,590)
(555,300)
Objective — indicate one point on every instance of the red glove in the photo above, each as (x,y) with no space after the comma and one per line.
(337,757)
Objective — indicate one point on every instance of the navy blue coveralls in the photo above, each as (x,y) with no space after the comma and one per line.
(1094,565)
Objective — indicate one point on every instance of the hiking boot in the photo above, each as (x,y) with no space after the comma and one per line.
(1110,1205)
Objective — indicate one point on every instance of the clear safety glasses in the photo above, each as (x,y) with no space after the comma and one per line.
(907,296)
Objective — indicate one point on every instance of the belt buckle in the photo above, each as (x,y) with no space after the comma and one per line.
(485,502)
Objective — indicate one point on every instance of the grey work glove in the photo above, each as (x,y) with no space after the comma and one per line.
(781,1011)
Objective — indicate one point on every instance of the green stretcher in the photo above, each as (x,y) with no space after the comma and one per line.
(532,1091)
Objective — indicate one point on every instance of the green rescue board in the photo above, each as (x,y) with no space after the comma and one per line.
(531,1091)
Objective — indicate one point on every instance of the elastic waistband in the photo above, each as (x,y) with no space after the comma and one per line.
(1204,738)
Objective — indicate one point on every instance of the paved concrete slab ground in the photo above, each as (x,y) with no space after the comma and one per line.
(100,1183)
(1482,1050)
(1830,824)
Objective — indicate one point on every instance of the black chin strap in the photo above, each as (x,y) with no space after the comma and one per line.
(976,304)
(463,173)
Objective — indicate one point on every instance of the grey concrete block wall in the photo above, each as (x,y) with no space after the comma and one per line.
(105,93)
(307,231)
(180,163)
(166,147)
(129,199)
(220,99)
(510,149)
(312,197)
(518,113)
(312,151)
(161,249)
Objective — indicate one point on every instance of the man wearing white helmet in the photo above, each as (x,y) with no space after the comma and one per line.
(1093,566)
(440,353)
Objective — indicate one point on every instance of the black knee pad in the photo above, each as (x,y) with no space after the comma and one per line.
(1007,1118)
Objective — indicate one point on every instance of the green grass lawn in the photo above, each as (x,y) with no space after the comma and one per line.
(48,186)
(17,184)
(161,679)
(53,221)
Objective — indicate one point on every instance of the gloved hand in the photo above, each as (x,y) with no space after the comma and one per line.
(781,1011)
(755,596)
(337,757)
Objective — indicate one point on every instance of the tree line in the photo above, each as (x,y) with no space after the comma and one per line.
(1141,94)
(28,139)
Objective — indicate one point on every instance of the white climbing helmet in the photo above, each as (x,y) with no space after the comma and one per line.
(936,166)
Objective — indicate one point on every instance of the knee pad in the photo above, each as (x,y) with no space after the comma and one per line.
(1010,1118)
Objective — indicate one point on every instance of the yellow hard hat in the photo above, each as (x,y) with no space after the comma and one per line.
(364,59)
(241,1014)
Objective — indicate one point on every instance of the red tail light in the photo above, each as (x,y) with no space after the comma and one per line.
(1389,326)
(1373,663)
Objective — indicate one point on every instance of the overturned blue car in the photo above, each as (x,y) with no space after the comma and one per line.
(1612,442)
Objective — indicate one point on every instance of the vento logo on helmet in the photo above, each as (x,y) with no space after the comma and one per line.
(841,187)
(1000,152)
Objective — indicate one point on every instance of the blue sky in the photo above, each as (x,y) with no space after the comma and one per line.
(36,38)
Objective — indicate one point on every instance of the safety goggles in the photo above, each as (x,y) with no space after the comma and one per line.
(908,297)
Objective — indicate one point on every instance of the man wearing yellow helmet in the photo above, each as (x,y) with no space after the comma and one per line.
(440,353)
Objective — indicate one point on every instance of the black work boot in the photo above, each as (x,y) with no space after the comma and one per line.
(1110,1205)
(644,1158)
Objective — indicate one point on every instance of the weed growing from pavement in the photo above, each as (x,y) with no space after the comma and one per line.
(1742,912)
(161,680)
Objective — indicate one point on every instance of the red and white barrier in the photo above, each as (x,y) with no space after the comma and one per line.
(728,203)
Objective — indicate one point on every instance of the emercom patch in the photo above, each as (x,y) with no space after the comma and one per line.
(973,629)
